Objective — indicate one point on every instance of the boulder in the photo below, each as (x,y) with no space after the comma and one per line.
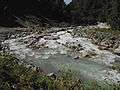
(76,57)
(102,48)
(117,51)
(51,37)
(52,75)
(88,54)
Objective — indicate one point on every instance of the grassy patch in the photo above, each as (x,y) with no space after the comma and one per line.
(17,77)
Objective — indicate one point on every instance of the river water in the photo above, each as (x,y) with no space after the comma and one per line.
(54,54)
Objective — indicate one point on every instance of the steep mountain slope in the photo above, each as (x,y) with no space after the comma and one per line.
(88,12)
(78,12)
(48,8)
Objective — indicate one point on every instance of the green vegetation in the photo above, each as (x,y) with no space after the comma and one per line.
(91,11)
(116,66)
(14,76)
(17,77)
(78,12)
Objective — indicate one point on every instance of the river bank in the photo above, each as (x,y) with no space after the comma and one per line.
(61,48)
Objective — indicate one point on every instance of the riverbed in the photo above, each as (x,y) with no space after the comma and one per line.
(61,50)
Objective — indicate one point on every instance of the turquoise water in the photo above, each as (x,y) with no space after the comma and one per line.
(51,60)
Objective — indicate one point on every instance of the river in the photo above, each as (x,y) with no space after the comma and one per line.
(57,51)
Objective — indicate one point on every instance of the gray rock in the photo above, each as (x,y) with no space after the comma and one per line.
(88,54)
(102,48)
(117,51)
(76,57)
(51,37)
(52,75)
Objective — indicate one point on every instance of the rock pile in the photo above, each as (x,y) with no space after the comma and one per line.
(104,38)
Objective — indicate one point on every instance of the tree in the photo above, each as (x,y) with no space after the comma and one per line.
(114,16)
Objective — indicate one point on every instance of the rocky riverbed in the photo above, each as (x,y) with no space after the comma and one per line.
(72,48)
(106,39)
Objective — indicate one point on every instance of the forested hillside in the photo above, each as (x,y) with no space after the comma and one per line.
(46,8)
(78,12)
(91,11)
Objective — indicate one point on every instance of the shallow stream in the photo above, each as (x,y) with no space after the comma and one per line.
(56,56)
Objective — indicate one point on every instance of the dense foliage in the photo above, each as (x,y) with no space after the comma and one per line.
(80,12)
(91,11)
(46,7)
(50,9)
